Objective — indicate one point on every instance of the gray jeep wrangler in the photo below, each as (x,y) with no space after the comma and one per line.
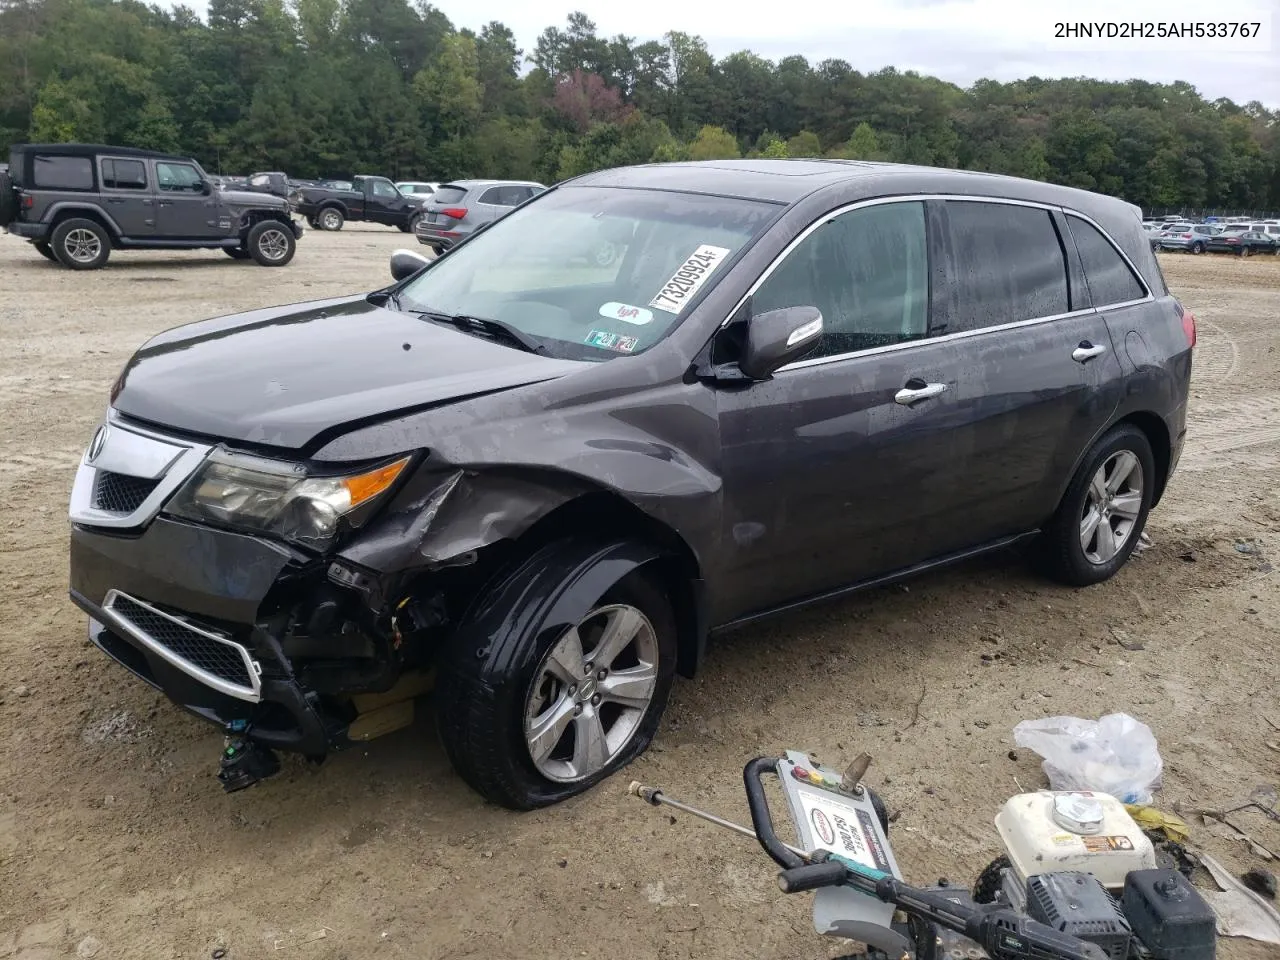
(76,202)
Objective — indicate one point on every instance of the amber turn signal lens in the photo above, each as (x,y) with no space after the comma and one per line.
(366,486)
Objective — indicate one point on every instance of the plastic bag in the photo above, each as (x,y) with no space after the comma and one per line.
(1115,754)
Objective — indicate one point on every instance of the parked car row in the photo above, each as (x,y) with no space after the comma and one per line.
(1241,237)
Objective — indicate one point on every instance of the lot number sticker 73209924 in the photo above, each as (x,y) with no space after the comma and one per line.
(689,278)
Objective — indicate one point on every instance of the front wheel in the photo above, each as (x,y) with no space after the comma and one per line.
(1104,510)
(551,690)
(80,244)
(271,243)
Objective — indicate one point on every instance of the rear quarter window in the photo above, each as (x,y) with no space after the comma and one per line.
(62,173)
(1109,278)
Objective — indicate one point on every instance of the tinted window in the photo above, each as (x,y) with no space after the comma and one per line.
(867,271)
(1109,277)
(124,175)
(1009,265)
(62,173)
(494,195)
(449,194)
(178,177)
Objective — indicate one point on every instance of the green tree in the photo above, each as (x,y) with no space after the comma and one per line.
(713,143)
(450,87)
(804,144)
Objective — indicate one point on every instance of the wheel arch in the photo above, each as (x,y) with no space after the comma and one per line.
(69,210)
(1157,434)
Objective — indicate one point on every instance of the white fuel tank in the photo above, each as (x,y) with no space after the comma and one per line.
(1048,831)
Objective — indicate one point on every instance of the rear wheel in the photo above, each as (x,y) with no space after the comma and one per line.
(330,218)
(270,243)
(1197,247)
(1104,510)
(46,251)
(80,244)
(1245,250)
(552,702)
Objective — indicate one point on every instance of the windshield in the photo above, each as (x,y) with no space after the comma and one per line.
(591,272)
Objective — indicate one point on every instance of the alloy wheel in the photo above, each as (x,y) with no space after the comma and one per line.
(82,246)
(273,244)
(329,220)
(1112,507)
(591,692)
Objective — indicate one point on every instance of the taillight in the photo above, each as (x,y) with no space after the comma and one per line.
(456,212)
(1189,327)
(1186,236)
(28,202)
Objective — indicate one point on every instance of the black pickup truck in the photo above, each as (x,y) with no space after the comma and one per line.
(374,199)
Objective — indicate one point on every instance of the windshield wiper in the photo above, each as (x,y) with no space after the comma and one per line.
(493,328)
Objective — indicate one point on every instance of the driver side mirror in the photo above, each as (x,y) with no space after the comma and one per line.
(205,187)
(405,263)
(777,337)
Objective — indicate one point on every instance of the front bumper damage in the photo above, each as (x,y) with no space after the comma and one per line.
(279,647)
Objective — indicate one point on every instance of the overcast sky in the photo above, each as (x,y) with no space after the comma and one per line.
(957,40)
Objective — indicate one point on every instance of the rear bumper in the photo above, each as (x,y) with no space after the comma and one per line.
(31,231)
(433,236)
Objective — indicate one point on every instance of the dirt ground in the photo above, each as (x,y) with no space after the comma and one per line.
(116,841)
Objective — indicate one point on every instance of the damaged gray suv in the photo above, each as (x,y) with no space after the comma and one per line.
(544,479)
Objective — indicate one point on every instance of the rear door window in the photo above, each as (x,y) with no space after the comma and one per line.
(494,196)
(124,174)
(1008,265)
(1110,279)
(62,173)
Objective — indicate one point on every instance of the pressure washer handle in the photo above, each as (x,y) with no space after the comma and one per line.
(761,818)
(813,876)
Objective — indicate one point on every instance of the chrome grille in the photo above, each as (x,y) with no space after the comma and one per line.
(214,660)
(120,493)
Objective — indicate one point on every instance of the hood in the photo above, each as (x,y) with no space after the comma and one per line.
(253,198)
(282,376)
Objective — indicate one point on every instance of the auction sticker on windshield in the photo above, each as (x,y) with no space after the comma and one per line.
(689,278)
(843,828)
(612,341)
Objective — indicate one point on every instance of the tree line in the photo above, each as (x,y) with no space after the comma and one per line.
(327,88)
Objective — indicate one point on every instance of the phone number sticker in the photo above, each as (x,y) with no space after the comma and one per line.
(843,829)
(689,278)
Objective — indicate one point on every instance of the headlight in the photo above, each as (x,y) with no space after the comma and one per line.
(273,497)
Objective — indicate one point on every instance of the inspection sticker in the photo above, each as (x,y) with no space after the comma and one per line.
(689,278)
(843,829)
(612,341)
(627,313)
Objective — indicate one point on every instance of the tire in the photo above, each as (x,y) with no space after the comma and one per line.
(413,224)
(46,251)
(1245,251)
(1064,554)
(1197,247)
(990,880)
(80,244)
(502,671)
(236,253)
(330,218)
(271,243)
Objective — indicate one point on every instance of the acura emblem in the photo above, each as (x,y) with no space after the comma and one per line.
(97,443)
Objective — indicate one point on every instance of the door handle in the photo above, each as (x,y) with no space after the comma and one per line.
(1087,351)
(115,199)
(909,395)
